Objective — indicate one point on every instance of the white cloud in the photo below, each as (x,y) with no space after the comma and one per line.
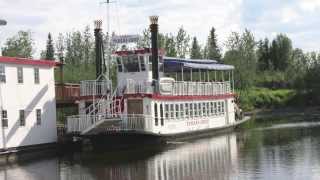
(310,5)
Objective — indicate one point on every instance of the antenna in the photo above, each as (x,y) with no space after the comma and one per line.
(107,3)
(108,52)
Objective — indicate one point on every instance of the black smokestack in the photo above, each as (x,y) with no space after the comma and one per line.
(98,47)
(154,48)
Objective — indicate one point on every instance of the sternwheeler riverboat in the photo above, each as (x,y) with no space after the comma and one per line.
(155,95)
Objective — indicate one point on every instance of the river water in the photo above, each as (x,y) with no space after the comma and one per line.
(279,151)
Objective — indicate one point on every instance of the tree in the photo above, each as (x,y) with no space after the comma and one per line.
(87,45)
(170,45)
(60,47)
(263,53)
(145,40)
(281,52)
(213,51)
(182,43)
(241,54)
(49,48)
(20,45)
(195,49)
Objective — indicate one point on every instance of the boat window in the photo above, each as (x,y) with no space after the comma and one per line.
(161,115)
(156,114)
(119,64)
(167,111)
(130,63)
(208,108)
(211,108)
(215,108)
(177,111)
(186,109)
(150,62)
(2,74)
(181,110)
(222,107)
(199,109)
(171,111)
(195,109)
(191,110)
(204,110)
(142,64)
(219,107)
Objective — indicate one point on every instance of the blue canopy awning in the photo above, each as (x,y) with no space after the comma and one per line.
(176,64)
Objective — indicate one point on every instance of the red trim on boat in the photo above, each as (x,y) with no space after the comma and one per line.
(26,61)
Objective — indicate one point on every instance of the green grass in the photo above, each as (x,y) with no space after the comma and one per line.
(265,98)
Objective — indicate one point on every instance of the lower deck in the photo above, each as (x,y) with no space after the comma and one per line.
(159,117)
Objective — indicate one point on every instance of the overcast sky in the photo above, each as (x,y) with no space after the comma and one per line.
(299,19)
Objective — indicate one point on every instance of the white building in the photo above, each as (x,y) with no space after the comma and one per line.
(27,103)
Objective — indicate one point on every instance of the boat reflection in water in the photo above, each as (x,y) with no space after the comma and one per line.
(214,158)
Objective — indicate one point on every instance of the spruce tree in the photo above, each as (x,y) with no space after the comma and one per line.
(213,51)
(195,49)
(50,48)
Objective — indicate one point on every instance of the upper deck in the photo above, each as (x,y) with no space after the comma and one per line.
(178,76)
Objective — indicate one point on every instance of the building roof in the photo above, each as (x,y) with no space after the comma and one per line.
(27,61)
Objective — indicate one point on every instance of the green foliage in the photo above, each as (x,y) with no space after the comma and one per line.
(212,50)
(182,43)
(241,54)
(170,45)
(49,49)
(263,54)
(266,98)
(281,51)
(20,45)
(195,49)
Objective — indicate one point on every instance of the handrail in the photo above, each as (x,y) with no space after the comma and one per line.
(128,122)
(180,88)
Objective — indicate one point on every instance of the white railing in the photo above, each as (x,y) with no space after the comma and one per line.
(95,88)
(80,123)
(142,87)
(181,88)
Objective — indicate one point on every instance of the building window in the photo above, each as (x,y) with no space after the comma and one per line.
(36,76)
(20,74)
(4,118)
(22,118)
(38,115)
(161,115)
(191,110)
(2,74)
